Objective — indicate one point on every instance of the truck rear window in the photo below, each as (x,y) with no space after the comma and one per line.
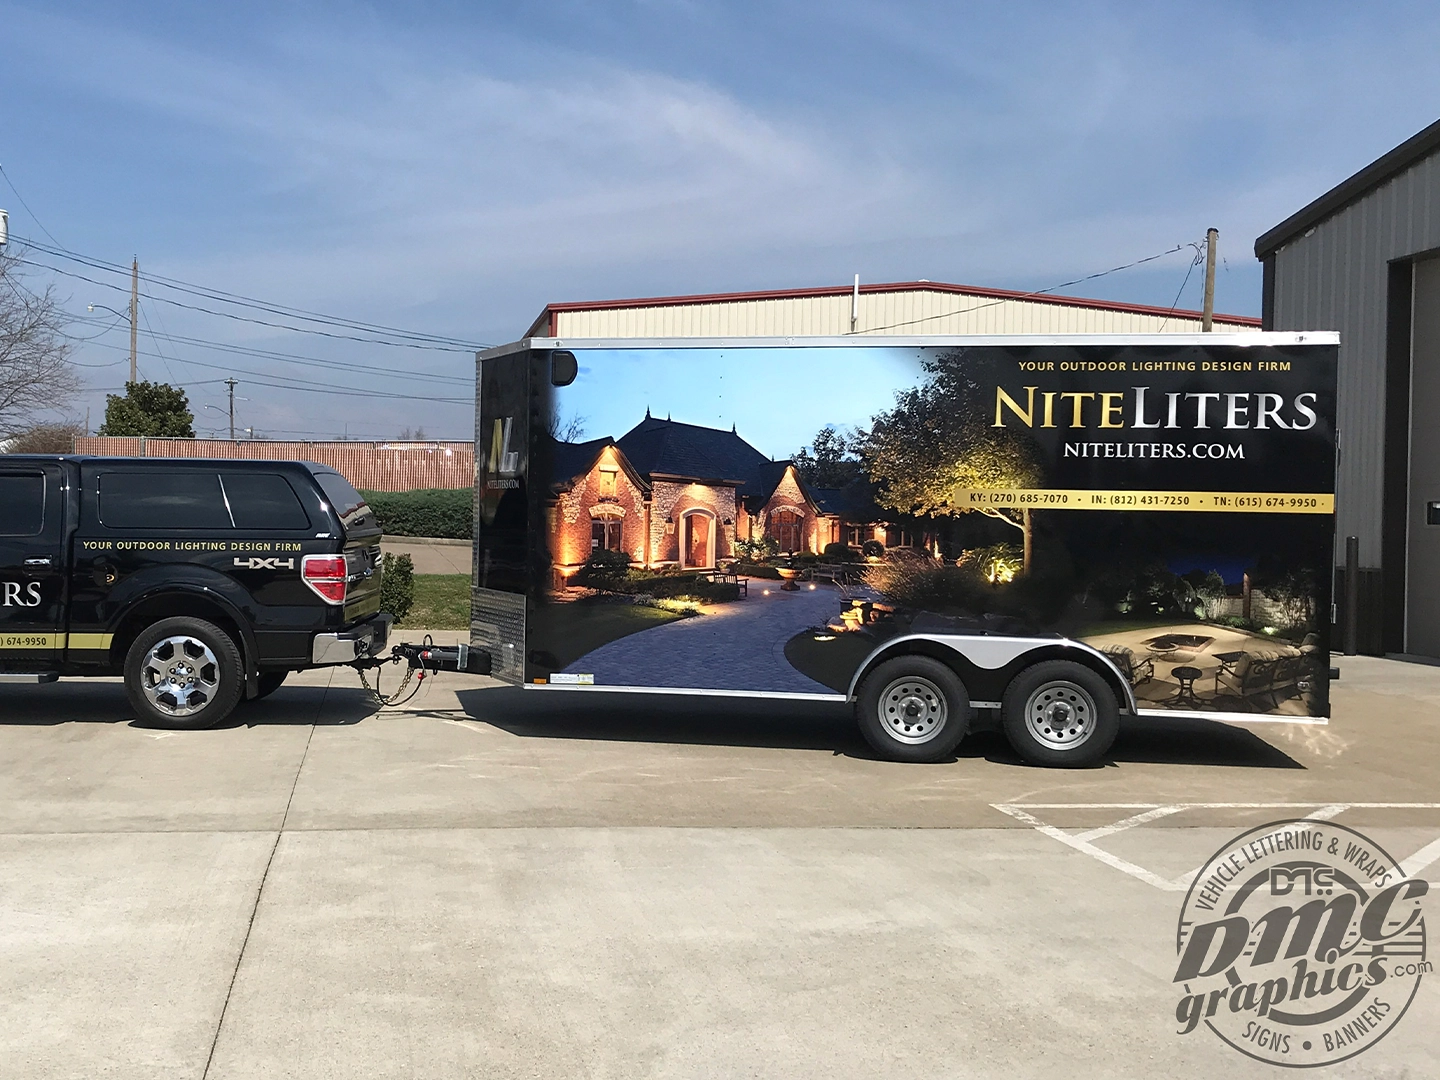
(347,502)
(263,501)
(163,499)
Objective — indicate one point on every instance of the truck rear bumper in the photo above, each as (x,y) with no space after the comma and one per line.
(368,638)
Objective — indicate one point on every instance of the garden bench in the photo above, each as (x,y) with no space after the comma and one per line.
(726,577)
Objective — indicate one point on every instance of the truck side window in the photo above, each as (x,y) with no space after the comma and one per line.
(163,499)
(23,497)
(261,501)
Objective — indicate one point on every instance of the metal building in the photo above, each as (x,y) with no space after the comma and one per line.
(1364,259)
(909,307)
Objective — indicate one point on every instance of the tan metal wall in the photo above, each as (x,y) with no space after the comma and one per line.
(374,466)
(907,312)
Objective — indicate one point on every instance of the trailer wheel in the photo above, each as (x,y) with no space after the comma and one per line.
(1060,714)
(183,673)
(913,709)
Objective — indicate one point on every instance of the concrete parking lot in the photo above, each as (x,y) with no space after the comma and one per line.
(498,883)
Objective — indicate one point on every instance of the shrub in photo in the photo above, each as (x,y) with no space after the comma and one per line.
(608,571)
(397,585)
(838,552)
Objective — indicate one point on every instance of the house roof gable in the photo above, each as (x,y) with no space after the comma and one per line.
(672,448)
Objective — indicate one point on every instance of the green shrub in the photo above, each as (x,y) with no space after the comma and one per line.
(713,592)
(760,570)
(609,570)
(872,549)
(757,550)
(440,512)
(838,552)
(397,585)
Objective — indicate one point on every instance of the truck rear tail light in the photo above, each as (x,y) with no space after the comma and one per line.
(326,575)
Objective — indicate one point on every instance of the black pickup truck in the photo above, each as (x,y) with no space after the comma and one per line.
(203,583)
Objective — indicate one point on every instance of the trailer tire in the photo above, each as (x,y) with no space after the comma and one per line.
(1061,715)
(184,674)
(914,709)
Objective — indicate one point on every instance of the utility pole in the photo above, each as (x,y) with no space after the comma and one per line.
(230,385)
(1207,317)
(134,310)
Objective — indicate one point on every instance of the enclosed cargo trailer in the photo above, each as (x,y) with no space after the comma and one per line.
(1035,534)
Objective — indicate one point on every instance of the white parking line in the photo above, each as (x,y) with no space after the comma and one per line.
(1083,841)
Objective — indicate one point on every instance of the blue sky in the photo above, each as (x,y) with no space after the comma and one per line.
(453,167)
(721,388)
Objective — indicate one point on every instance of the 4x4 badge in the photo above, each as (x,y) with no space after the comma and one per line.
(257,563)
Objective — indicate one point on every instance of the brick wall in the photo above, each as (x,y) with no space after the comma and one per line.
(575,509)
(376,466)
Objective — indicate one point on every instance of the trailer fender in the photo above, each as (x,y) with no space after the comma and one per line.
(987,663)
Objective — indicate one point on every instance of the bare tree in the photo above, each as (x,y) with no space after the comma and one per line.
(35,372)
(46,439)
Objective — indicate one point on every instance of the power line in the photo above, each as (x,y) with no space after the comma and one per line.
(26,205)
(324,365)
(248,319)
(1196,261)
(295,382)
(309,361)
(408,338)
(1022,296)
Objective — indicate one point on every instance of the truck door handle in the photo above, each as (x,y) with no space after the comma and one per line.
(40,560)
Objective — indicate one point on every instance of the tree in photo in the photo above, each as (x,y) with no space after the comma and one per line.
(58,438)
(35,372)
(938,439)
(153,409)
(830,461)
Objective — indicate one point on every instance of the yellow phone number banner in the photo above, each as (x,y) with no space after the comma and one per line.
(1233,502)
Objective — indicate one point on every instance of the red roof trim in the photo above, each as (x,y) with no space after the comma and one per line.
(551,310)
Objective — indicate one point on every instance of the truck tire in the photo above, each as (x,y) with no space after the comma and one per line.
(913,708)
(1060,714)
(184,674)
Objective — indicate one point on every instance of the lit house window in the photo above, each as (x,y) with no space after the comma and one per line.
(607,483)
(605,534)
(785,529)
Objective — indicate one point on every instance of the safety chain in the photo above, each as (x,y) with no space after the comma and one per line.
(395,698)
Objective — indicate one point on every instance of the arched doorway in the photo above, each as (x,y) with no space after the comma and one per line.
(697,539)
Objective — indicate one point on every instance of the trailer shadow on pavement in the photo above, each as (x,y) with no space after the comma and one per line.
(815,725)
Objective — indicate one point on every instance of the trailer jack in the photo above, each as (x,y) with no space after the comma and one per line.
(422,661)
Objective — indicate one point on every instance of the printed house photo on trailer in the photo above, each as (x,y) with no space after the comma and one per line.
(761,519)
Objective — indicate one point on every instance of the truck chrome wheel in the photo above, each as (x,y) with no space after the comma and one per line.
(1061,715)
(913,710)
(180,675)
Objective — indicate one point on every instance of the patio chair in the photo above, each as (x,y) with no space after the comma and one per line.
(1136,669)
(1249,676)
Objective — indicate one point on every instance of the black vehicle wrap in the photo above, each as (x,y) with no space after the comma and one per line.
(128,544)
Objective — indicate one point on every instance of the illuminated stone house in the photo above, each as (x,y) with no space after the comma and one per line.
(670,494)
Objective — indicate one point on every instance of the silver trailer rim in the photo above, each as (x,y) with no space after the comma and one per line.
(1060,715)
(180,675)
(913,710)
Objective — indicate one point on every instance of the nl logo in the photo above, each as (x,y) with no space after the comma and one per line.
(503,463)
